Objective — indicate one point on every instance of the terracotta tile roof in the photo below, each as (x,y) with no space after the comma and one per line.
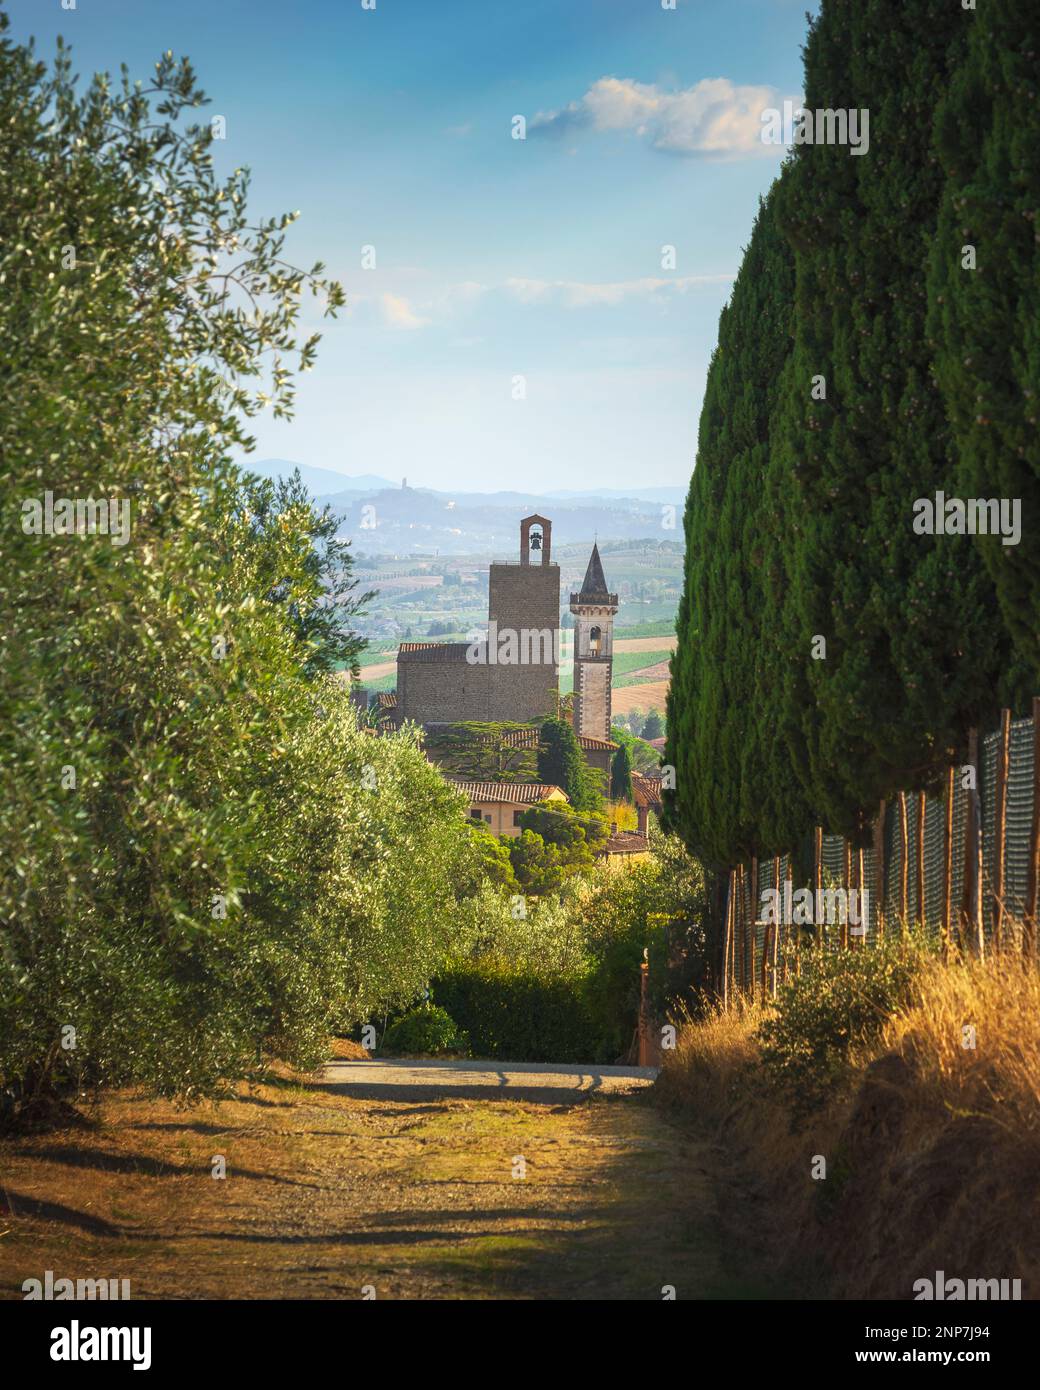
(626,842)
(515,793)
(646,790)
(433,651)
(528,738)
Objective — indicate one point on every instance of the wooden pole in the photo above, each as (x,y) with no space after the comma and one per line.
(971,899)
(922,812)
(1033,889)
(734,943)
(745,930)
(904,868)
(817,879)
(947,914)
(779,959)
(727,943)
(879,869)
(1000,833)
(740,941)
(864,918)
(795,935)
(765,957)
(644,1011)
(752,919)
(846,876)
(749,932)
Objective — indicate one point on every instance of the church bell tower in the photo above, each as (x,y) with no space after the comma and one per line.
(594,609)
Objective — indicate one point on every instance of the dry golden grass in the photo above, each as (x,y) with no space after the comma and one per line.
(711,1057)
(972,1039)
(931,1147)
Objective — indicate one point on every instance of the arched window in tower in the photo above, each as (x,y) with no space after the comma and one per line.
(595,641)
(536,540)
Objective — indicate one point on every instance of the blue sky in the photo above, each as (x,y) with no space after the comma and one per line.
(496,258)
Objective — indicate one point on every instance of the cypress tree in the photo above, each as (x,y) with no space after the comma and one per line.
(621,774)
(907,619)
(984,312)
(561,764)
(829,653)
(723,700)
(653,726)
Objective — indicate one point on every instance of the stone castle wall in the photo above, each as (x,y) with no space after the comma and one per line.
(450,692)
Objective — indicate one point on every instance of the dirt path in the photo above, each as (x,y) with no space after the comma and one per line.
(420,1180)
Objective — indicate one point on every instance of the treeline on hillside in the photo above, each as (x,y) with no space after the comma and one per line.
(204,859)
(881,345)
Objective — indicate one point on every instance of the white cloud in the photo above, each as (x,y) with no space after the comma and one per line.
(398,313)
(580,294)
(714,117)
(443,303)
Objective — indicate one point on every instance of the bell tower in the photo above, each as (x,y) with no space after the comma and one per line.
(535,540)
(594,609)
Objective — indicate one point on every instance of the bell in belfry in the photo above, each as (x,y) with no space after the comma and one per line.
(536,540)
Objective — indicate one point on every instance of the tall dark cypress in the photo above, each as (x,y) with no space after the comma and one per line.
(984,318)
(621,774)
(722,701)
(830,652)
(562,764)
(911,651)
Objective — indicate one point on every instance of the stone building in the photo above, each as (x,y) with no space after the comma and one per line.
(512,675)
(623,848)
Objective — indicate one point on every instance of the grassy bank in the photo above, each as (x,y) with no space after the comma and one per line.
(883,1120)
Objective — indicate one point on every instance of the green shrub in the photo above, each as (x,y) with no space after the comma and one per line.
(425,1029)
(558,980)
(840,1001)
(523,1015)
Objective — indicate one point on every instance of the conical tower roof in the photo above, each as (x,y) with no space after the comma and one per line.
(594,585)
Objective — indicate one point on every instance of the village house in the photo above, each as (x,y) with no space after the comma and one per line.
(646,792)
(499,805)
(622,849)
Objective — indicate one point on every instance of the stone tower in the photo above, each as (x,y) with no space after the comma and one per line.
(515,674)
(593,610)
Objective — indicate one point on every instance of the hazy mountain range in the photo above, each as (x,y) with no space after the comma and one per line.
(381,515)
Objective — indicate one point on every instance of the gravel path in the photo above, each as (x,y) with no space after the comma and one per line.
(551,1083)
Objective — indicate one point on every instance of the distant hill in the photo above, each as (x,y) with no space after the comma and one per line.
(317,481)
(422,521)
(419,521)
(674,495)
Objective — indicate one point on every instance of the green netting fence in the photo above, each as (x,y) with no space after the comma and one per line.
(961,861)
